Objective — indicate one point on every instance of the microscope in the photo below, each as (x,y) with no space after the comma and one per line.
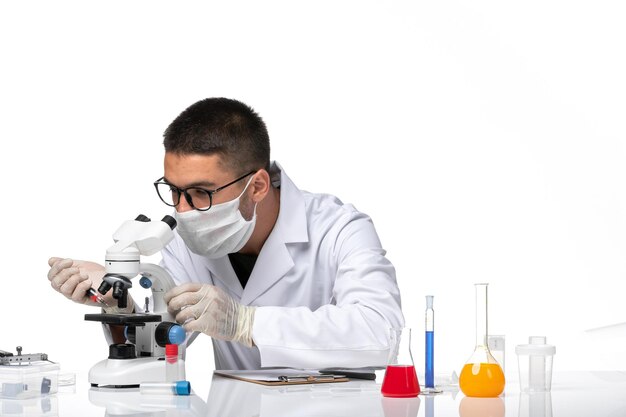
(142,357)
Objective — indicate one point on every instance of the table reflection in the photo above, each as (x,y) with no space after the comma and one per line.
(401,407)
(229,397)
(481,407)
(46,406)
(536,404)
(130,402)
(430,406)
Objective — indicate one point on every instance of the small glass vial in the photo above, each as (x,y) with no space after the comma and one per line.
(174,366)
(165,388)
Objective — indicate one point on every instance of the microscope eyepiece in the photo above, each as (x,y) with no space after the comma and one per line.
(170,221)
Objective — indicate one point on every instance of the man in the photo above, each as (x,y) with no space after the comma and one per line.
(275,275)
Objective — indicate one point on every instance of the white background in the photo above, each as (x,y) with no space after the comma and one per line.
(486,139)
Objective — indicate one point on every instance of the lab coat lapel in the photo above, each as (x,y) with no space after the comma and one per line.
(275,261)
(223,271)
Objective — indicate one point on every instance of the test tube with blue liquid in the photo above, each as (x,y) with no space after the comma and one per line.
(430,343)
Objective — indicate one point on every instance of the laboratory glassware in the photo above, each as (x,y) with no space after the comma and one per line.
(481,376)
(174,367)
(497,345)
(400,377)
(430,343)
(535,364)
(161,388)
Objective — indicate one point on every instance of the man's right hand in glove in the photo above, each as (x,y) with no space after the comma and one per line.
(74,278)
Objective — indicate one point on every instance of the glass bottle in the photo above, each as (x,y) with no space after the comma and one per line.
(400,377)
(481,376)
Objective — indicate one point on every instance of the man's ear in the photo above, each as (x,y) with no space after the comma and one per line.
(261,185)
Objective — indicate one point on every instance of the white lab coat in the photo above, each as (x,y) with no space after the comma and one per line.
(326,295)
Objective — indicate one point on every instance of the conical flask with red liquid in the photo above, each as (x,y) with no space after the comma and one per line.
(481,376)
(400,377)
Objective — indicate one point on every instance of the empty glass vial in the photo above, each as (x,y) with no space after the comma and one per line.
(174,365)
(165,388)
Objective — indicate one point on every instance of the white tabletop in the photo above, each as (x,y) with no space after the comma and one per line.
(573,394)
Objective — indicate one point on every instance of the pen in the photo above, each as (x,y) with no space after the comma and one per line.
(308,378)
(371,376)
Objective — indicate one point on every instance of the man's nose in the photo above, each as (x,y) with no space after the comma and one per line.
(183,205)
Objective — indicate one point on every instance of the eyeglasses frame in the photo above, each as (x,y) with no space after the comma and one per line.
(183,191)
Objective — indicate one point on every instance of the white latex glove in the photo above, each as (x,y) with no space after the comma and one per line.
(208,309)
(73,278)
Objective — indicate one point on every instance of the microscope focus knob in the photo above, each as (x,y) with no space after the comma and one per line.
(142,218)
(122,351)
(168,333)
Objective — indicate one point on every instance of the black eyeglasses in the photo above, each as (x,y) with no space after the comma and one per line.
(198,198)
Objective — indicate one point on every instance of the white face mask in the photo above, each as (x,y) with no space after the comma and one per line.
(218,231)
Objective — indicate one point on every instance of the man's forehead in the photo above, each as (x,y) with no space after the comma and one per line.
(194,169)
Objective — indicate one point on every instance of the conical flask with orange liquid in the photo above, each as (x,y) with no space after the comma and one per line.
(481,376)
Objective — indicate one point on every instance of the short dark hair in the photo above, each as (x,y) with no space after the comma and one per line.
(221,126)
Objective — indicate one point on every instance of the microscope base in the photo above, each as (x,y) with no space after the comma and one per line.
(129,373)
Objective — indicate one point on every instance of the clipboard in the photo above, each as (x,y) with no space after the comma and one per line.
(278,377)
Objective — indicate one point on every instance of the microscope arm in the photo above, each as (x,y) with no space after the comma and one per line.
(161,283)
